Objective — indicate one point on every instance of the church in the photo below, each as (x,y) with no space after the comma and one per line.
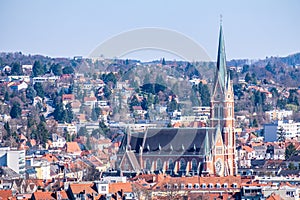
(189,151)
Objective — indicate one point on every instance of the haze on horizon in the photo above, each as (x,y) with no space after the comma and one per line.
(252,29)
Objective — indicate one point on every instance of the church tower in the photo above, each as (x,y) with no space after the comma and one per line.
(222,110)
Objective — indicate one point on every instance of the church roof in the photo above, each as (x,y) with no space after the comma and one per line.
(174,141)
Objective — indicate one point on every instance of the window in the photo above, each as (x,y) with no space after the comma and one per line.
(103,188)
(203,185)
(182,165)
(225,185)
(194,165)
(148,164)
(219,150)
(197,186)
(189,186)
(171,164)
(158,164)
(218,185)
(182,186)
(210,185)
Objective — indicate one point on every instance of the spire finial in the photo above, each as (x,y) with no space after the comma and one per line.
(221,19)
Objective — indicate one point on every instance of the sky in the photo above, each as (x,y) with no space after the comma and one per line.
(252,29)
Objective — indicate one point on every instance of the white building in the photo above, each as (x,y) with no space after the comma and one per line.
(58,141)
(291,130)
(14,159)
(278,114)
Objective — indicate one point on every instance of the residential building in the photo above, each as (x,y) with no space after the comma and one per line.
(14,159)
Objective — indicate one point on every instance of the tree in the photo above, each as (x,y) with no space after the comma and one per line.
(39,89)
(16,69)
(281,135)
(69,113)
(15,111)
(172,105)
(8,130)
(42,133)
(59,113)
(82,131)
(290,150)
(204,94)
(68,70)
(248,78)
(56,69)
(30,93)
(38,69)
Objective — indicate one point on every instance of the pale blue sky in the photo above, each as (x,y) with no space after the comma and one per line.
(252,29)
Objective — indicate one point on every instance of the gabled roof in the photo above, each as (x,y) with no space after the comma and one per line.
(77,188)
(170,140)
(6,194)
(40,195)
(72,147)
(116,187)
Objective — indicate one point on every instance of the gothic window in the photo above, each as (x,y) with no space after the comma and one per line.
(148,164)
(220,112)
(216,111)
(158,164)
(171,164)
(182,165)
(194,165)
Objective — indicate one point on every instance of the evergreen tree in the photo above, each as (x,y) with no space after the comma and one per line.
(8,130)
(69,113)
(30,93)
(59,113)
(43,134)
(290,150)
(16,69)
(38,69)
(204,94)
(15,111)
(68,70)
(39,89)
(56,69)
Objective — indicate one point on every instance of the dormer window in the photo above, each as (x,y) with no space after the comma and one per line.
(203,185)
(218,185)
(225,185)
(234,185)
(189,186)
(197,186)
(210,185)
(182,186)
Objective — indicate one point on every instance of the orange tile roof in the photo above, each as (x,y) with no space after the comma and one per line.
(40,195)
(73,147)
(247,148)
(115,187)
(50,157)
(274,197)
(77,188)
(5,194)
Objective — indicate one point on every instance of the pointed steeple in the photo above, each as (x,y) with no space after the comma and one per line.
(221,73)
(207,145)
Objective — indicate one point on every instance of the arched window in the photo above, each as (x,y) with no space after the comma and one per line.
(194,165)
(220,112)
(170,164)
(158,164)
(216,111)
(148,164)
(182,165)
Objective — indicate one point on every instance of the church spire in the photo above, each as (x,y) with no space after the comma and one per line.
(221,74)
